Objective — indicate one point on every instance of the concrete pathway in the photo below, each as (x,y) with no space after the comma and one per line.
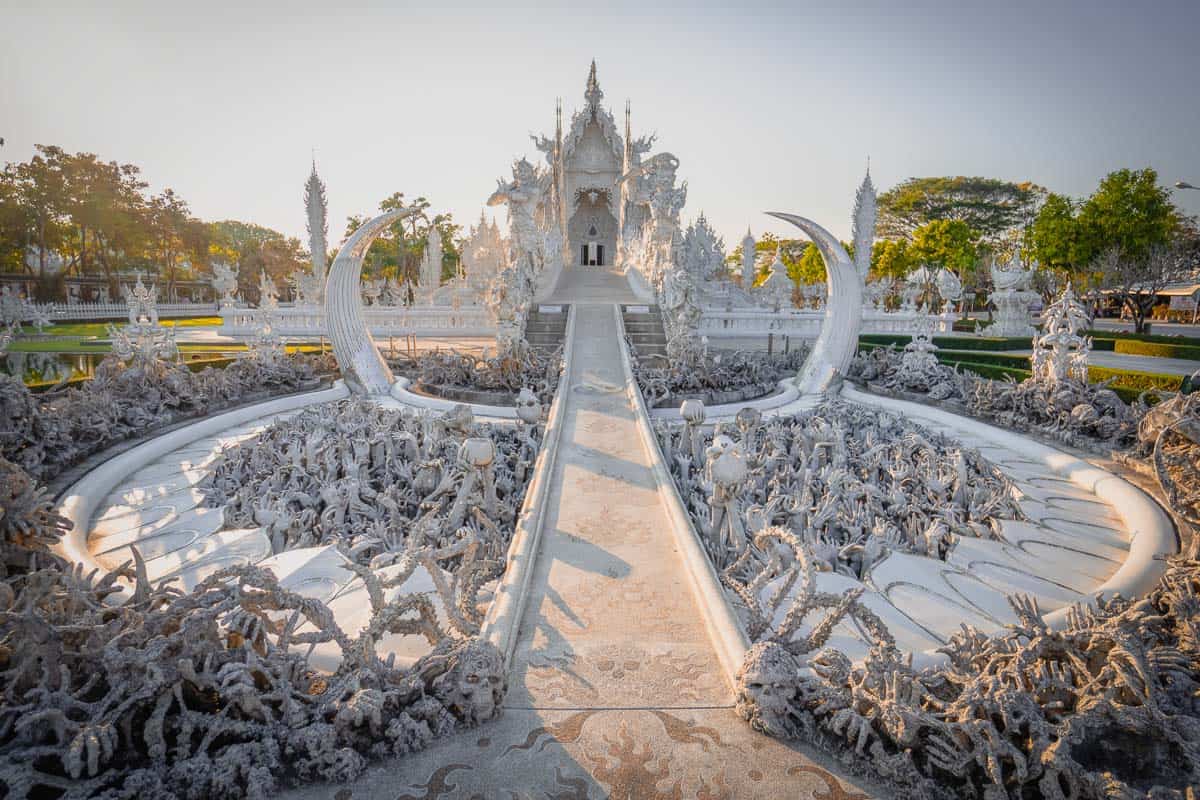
(615,688)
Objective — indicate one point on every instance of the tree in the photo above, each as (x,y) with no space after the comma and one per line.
(254,249)
(949,244)
(40,192)
(1130,211)
(108,215)
(988,206)
(1053,238)
(1138,280)
(892,259)
(452,243)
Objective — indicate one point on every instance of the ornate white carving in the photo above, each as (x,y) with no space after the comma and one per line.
(749,267)
(361,364)
(224,282)
(1060,353)
(318,227)
(522,195)
(1012,299)
(484,254)
(864,225)
(838,340)
(15,310)
(431,263)
(143,340)
(703,250)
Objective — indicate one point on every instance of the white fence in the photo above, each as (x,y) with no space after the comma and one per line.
(309,321)
(806,323)
(57,312)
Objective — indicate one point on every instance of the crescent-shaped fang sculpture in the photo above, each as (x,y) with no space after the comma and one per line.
(838,340)
(362,366)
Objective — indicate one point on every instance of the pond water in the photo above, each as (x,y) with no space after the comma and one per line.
(50,368)
(35,368)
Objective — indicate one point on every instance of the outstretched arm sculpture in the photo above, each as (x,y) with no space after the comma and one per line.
(835,346)
(362,366)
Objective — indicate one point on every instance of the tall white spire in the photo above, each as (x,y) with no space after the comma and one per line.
(593,93)
(318,226)
(864,224)
(748,257)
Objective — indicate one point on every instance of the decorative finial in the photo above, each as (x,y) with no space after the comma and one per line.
(593,93)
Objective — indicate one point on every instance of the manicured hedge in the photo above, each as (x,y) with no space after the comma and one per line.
(1137,381)
(1009,360)
(1157,349)
(1188,341)
(954,342)
(995,372)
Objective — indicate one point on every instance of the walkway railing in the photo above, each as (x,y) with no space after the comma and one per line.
(58,312)
(806,323)
(381,321)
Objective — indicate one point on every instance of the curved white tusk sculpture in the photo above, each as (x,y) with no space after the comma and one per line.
(361,364)
(835,346)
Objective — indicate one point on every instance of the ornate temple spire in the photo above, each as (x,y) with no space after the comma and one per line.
(864,223)
(593,93)
(558,136)
(748,260)
(628,165)
(318,226)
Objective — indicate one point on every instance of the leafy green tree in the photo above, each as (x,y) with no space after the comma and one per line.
(1053,238)
(39,192)
(254,248)
(950,244)
(892,259)
(1130,211)
(989,206)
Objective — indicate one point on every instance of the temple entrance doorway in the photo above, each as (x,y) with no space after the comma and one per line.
(591,254)
(592,230)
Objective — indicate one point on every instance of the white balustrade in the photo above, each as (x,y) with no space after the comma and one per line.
(309,321)
(806,323)
(80,311)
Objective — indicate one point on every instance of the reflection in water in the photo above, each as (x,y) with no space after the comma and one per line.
(37,368)
(50,368)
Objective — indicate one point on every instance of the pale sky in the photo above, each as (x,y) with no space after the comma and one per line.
(769,107)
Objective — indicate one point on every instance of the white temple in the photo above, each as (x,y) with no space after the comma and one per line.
(614,207)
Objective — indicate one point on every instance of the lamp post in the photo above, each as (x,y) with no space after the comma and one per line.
(1196,302)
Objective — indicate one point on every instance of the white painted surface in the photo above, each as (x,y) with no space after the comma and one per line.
(149,472)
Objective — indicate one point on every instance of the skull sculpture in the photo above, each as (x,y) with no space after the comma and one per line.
(529,408)
(474,686)
(767,684)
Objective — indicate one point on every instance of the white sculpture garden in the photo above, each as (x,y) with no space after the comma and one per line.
(659,556)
